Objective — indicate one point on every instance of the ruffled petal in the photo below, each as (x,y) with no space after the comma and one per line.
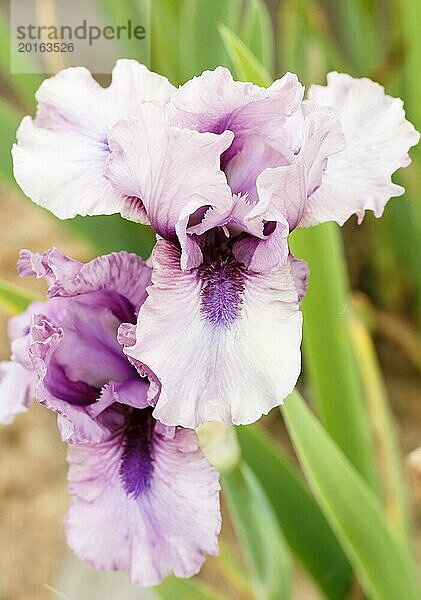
(59,157)
(234,221)
(175,172)
(16,390)
(133,84)
(75,423)
(52,265)
(215,102)
(120,272)
(378,138)
(283,191)
(63,171)
(89,350)
(165,525)
(131,392)
(223,341)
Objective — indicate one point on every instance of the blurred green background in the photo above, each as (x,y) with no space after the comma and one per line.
(284,536)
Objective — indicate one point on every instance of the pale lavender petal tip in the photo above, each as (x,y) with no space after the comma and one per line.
(378,138)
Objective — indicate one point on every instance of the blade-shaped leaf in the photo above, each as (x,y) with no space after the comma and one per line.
(388,455)
(386,568)
(303,523)
(165,41)
(22,85)
(202,47)
(262,541)
(9,121)
(246,65)
(358,33)
(329,357)
(257,32)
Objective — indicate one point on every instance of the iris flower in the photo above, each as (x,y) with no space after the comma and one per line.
(223,171)
(145,500)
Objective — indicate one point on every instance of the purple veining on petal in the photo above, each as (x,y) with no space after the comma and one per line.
(222,279)
(136,465)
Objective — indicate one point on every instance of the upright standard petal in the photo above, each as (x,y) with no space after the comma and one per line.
(215,102)
(378,138)
(282,192)
(175,172)
(257,116)
(223,341)
(59,156)
(143,502)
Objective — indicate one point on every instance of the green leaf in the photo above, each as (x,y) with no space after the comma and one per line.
(9,121)
(329,358)
(246,65)
(257,33)
(388,456)
(202,47)
(358,33)
(186,589)
(121,12)
(23,86)
(306,45)
(165,42)
(262,541)
(304,525)
(405,221)
(14,299)
(386,568)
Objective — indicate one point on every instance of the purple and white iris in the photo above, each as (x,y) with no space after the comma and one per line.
(132,357)
(223,171)
(145,500)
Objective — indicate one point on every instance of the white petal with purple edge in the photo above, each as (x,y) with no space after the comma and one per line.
(225,345)
(378,138)
(168,527)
